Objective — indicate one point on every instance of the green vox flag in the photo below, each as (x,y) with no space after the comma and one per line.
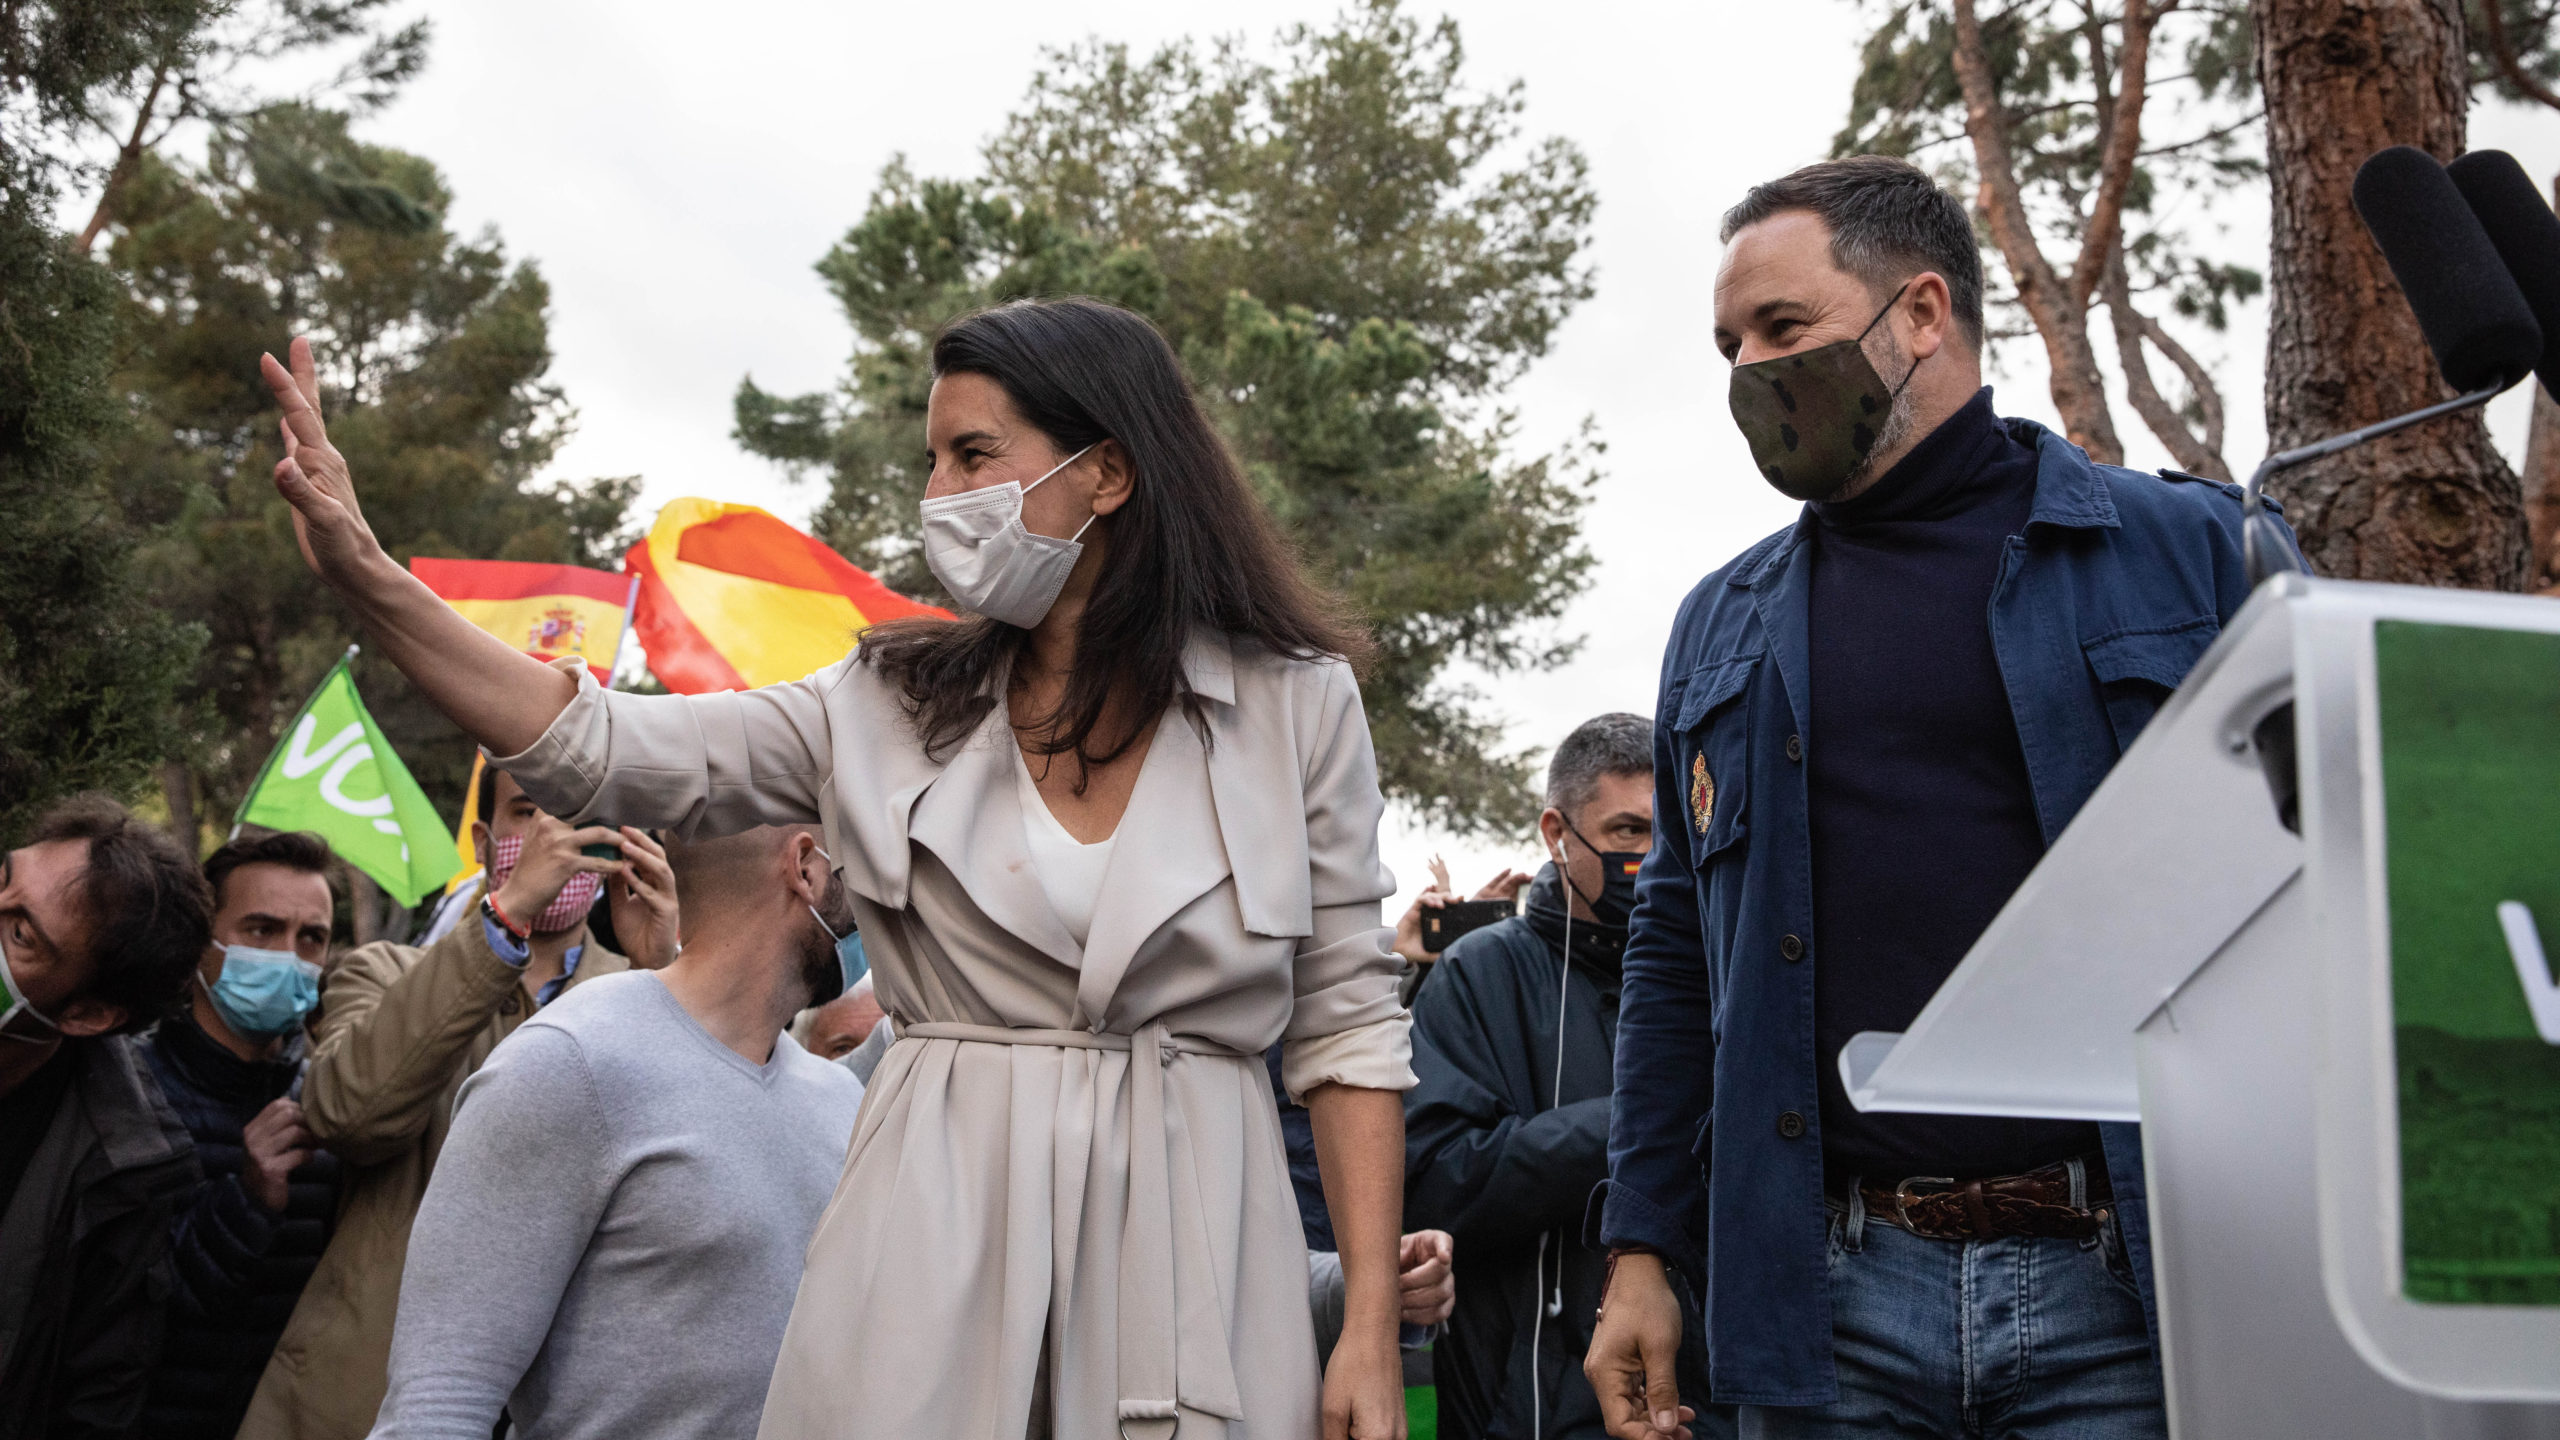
(2470,743)
(334,773)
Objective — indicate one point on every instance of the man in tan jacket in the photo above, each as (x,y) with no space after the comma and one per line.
(399,1029)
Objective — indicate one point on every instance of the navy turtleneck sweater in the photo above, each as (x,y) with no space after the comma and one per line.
(1923,818)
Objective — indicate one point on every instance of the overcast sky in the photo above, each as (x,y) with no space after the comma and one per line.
(676,171)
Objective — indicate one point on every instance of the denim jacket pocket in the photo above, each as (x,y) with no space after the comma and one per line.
(1715,755)
(2137,670)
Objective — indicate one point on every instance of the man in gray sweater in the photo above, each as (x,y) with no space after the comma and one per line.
(612,1241)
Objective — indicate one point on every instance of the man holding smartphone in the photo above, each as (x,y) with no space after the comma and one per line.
(400,1028)
(1508,1131)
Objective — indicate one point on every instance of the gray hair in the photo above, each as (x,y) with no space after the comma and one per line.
(1888,220)
(1612,744)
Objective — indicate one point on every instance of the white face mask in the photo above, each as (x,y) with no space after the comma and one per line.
(976,545)
(19,1018)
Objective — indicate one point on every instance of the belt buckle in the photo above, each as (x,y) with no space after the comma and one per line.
(1902,1198)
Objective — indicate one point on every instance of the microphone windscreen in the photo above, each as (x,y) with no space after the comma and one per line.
(2474,317)
(2519,221)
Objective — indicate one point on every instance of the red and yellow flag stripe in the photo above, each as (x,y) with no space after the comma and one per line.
(547,611)
(731,597)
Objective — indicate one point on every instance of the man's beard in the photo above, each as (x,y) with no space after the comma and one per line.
(1897,421)
(821,969)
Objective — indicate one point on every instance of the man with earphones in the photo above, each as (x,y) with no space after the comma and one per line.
(1508,1131)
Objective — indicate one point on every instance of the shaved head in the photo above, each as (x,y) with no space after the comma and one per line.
(714,876)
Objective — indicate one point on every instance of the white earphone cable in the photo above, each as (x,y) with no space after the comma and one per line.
(1551,1302)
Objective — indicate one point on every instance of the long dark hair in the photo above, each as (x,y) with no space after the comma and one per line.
(1191,549)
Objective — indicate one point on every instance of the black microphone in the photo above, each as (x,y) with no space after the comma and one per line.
(2471,310)
(2473,315)
(2519,222)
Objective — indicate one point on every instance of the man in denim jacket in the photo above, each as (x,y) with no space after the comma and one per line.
(1870,726)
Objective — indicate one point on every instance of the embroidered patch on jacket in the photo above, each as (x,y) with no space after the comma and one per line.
(1702,793)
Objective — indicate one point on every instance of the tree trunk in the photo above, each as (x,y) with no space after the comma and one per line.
(2433,505)
(178,790)
(2541,493)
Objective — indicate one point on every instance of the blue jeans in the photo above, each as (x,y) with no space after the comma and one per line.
(2020,1338)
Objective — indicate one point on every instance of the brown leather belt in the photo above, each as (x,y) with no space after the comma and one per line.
(2036,1203)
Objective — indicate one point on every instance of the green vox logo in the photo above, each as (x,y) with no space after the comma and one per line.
(2524,946)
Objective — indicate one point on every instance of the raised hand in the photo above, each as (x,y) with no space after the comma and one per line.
(499,696)
(553,853)
(313,477)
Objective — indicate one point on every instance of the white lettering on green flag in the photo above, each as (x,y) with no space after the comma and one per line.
(335,774)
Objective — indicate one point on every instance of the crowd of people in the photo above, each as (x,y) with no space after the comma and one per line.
(633,1139)
(392,1225)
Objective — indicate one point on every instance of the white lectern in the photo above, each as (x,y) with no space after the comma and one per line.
(2344,1046)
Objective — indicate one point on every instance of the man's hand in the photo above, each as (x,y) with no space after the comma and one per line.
(1505,886)
(644,902)
(1426,1280)
(277,1145)
(1409,926)
(1630,1365)
(550,858)
(313,477)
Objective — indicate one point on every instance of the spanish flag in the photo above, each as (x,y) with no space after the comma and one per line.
(547,611)
(731,598)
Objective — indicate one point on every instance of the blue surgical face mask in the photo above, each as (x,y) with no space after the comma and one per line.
(849,954)
(263,993)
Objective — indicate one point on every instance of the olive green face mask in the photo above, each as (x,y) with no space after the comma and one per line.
(1811,417)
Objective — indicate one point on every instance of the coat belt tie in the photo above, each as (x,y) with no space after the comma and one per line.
(1148,1334)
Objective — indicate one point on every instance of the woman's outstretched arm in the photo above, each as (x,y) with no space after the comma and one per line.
(499,696)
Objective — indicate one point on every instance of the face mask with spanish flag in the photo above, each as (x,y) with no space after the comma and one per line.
(1615,905)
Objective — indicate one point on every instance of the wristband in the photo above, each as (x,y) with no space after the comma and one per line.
(1609,1273)
(489,903)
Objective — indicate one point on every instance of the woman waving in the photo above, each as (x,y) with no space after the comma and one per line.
(1106,841)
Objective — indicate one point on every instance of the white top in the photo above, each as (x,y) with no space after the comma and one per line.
(1070,871)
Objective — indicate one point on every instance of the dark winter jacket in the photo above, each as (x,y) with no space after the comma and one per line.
(239,1267)
(84,1251)
(1492,1160)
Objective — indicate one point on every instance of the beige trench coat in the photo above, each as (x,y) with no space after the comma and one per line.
(1076,1145)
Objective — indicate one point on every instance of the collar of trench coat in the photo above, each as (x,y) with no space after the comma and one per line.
(966,808)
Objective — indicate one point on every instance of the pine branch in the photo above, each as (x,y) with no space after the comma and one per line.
(2198,455)
(2503,50)
(2123,145)
(128,159)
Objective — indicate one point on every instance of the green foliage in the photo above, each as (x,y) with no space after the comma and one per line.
(1354,253)
(2532,34)
(434,350)
(2054,65)
(88,669)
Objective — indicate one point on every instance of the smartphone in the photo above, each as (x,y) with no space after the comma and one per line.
(1442,926)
